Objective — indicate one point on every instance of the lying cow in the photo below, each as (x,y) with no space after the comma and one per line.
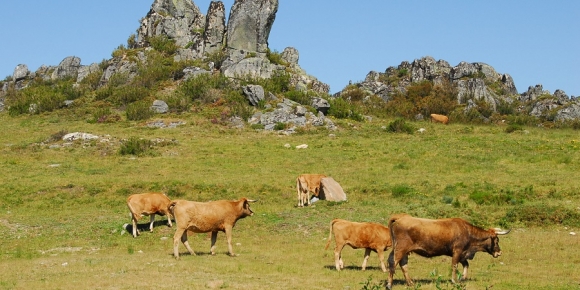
(204,217)
(305,184)
(452,237)
(371,236)
(148,204)
(436,118)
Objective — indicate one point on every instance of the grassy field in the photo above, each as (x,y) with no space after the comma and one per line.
(62,206)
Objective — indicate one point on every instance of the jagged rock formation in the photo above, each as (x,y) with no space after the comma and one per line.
(180,20)
(474,82)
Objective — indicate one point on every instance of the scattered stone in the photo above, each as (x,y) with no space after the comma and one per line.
(79,136)
(303,146)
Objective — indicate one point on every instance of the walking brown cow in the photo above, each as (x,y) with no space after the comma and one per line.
(439,118)
(305,184)
(452,237)
(204,217)
(148,204)
(371,236)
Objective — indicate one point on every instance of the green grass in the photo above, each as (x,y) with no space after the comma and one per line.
(62,209)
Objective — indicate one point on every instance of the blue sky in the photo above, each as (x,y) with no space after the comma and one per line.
(536,42)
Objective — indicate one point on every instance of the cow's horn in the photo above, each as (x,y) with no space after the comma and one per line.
(499,231)
(252,200)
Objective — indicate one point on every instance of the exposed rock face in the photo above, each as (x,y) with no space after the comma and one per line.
(180,20)
(215,27)
(68,67)
(254,94)
(20,72)
(249,25)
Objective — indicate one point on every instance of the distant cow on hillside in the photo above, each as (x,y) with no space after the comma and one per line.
(305,184)
(436,118)
(371,236)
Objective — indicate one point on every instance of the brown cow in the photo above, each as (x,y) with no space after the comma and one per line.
(148,204)
(439,118)
(371,236)
(204,217)
(452,237)
(305,184)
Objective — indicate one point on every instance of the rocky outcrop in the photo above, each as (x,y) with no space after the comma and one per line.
(68,68)
(215,27)
(249,27)
(291,113)
(179,20)
(20,72)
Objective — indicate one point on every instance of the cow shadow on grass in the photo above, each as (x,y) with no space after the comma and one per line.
(354,268)
(377,269)
(145,226)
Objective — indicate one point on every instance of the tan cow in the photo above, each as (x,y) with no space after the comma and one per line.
(371,236)
(305,184)
(148,204)
(205,217)
(436,118)
(452,237)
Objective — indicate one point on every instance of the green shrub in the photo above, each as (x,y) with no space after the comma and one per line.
(136,146)
(399,125)
(128,94)
(275,57)
(163,44)
(303,98)
(402,190)
(513,128)
(139,111)
(541,215)
(342,109)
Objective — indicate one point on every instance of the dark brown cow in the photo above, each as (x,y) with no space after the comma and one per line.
(452,237)
(148,204)
(204,217)
(439,118)
(305,184)
(371,236)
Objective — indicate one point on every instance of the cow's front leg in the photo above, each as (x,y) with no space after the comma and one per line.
(465,268)
(367,255)
(213,241)
(228,231)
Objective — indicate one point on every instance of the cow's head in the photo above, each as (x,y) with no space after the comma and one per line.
(493,246)
(246,210)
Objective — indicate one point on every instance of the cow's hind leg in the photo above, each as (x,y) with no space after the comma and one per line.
(338,263)
(367,255)
(381,255)
(180,234)
(151,222)
(405,269)
(134,222)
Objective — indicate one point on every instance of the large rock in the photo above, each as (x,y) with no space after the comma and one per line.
(20,72)
(254,94)
(180,20)
(249,25)
(68,68)
(331,190)
(215,27)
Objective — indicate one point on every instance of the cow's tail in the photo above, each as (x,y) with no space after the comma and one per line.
(392,220)
(171,208)
(330,234)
